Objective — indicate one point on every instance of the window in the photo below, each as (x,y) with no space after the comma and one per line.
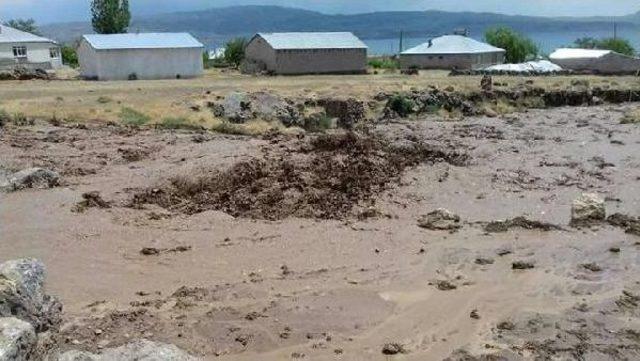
(54,53)
(20,51)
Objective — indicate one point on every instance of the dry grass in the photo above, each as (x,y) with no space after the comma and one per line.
(631,117)
(177,99)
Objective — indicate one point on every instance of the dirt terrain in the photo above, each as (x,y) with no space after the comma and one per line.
(314,246)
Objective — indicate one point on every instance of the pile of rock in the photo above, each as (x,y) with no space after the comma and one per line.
(22,73)
(30,321)
(28,178)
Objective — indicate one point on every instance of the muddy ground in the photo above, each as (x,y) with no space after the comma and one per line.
(308,247)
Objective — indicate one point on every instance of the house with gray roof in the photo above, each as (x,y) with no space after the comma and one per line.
(140,56)
(22,48)
(306,53)
(452,52)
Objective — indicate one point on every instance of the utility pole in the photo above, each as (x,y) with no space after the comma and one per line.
(401,42)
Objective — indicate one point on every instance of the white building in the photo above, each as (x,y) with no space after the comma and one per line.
(140,56)
(19,47)
(307,53)
(452,52)
(596,61)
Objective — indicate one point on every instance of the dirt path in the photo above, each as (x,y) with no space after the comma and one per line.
(343,287)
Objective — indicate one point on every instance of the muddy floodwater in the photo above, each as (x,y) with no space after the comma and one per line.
(316,247)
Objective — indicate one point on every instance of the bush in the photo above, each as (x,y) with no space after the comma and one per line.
(234,51)
(70,56)
(618,45)
(518,47)
(401,104)
(384,63)
(129,116)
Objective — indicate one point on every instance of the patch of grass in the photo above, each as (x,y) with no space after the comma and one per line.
(18,119)
(104,100)
(631,117)
(384,63)
(129,116)
(252,128)
(177,123)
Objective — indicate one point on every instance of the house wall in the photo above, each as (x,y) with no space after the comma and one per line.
(451,61)
(37,54)
(258,51)
(321,61)
(120,64)
(608,64)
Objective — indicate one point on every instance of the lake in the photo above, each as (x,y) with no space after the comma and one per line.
(546,41)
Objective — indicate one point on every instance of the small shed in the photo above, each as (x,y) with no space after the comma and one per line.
(140,56)
(596,61)
(29,50)
(306,53)
(452,52)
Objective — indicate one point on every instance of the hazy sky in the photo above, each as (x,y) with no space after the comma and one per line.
(47,11)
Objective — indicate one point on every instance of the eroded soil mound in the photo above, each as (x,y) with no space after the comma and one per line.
(325,177)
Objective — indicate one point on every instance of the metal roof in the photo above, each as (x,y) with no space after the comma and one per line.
(569,53)
(142,41)
(11,35)
(453,44)
(280,41)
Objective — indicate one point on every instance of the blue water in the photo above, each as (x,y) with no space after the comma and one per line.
(546,41)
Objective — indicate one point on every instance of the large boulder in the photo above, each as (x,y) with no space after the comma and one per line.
(588,209)
(348,111)
(140,350)
(17,340)
(22,295)
(30,178)
(240,107)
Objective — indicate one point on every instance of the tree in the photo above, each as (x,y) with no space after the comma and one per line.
(586,43)
(70,56)
(618,45)
(26,25)
(518,47)
(234,51)
(110,16)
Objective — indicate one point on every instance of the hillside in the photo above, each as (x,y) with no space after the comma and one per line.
(218,24)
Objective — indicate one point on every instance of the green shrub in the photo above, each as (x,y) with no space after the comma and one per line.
(129,116)
(401,104)
(177,123)
(519,48)
(70,56)
(234,51)
(384,63)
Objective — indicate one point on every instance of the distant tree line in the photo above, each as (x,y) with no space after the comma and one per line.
(618,45)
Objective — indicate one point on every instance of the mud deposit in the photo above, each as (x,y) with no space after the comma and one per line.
(324,177)
(422,239)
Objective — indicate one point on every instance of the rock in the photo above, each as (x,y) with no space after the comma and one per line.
(445,286)
(22,295)
(18,340)
(522,265)
(587,209)
(392,349)
(440,220)
(140,350)
(240,107)
(31,178)
(348,111)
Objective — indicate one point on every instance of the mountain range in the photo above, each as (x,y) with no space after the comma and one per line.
(216,25)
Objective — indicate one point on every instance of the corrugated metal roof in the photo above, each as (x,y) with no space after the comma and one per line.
(569,53)
(142,41)
(292,41)
(11,35)
(453,44)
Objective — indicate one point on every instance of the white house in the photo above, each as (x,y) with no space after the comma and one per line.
(19,47)
(596,61)
(452,52)
(140,56)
